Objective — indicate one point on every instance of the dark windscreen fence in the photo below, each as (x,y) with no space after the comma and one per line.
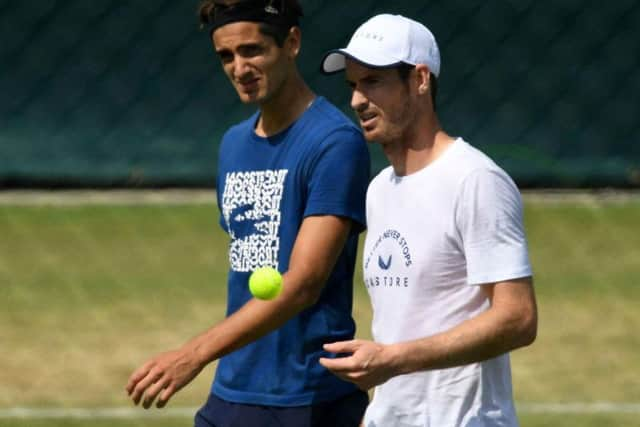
(130,94)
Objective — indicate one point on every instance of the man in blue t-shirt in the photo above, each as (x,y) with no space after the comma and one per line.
(291,186)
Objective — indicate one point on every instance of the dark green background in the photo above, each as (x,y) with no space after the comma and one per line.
(129,93)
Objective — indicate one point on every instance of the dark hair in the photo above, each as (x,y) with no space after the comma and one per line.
(405,69)
(290,11)
(279,34)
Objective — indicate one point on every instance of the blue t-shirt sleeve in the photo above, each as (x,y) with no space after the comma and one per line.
(339,177)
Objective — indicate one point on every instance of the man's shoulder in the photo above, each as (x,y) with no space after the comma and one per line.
(469,156)
(327,118)
(325,128)
(477,171)
(470,160)
(242,126)
(382,177)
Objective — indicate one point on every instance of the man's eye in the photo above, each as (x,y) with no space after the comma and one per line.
(225,57)
(250,51)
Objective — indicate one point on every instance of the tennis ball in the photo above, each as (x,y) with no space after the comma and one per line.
(265,283)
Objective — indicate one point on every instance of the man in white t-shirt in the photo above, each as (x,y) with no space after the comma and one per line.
(445,259)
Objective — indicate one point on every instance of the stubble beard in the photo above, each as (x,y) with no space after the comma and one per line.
(398,125)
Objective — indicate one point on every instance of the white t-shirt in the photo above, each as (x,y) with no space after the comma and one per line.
(432,237)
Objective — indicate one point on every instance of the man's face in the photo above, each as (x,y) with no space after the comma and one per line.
(254,63)
(382,101)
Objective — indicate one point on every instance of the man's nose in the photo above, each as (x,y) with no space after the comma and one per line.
(240,67)
(358,101)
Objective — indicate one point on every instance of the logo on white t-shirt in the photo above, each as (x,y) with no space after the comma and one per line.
(393,255)
(385,265)
(251,209)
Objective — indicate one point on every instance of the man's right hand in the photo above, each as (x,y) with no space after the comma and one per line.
(162,376)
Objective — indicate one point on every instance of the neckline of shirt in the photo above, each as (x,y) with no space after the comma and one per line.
(275,138)
(458,141)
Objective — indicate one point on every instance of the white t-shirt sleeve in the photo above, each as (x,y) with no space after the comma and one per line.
(489,221)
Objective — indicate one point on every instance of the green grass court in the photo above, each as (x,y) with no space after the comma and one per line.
(88,292)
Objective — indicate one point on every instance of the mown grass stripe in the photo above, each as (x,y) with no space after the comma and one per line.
(188,412)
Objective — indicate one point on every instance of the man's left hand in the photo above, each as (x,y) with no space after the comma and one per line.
(367,365)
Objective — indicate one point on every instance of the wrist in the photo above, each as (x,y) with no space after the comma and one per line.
(198,353)
(394,359)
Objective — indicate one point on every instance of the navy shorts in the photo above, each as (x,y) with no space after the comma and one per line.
(346,411)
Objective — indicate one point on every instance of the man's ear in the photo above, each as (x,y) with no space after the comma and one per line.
(422,78)
(293,42)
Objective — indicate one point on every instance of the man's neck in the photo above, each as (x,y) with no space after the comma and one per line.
(284,108)
(418,148)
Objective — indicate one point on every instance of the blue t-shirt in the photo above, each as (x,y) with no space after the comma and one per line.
(266,187)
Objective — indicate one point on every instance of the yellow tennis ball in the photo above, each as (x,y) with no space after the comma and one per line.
(265,283)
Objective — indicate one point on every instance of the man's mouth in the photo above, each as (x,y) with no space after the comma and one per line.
(366,119)
(249,85)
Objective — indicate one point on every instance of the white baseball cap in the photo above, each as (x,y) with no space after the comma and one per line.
(387,41)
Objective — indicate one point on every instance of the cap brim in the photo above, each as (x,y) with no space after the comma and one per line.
(334,61)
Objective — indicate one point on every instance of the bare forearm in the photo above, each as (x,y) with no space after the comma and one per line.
(251,322)
(470,342)
(319,243)
(510,323)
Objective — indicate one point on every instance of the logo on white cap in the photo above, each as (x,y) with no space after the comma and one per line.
(386,41)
